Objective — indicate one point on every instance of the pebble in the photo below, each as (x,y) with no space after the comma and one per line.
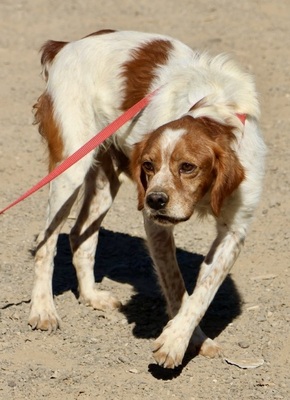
(243,344)
(123,359)
(252,308)
(133,371)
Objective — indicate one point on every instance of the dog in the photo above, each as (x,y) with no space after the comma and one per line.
(197,147)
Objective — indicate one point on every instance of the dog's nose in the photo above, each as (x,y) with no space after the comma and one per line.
(157,200)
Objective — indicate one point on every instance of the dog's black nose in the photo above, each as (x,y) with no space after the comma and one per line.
(157,200)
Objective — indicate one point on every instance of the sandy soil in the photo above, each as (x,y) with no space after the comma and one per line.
(108,356)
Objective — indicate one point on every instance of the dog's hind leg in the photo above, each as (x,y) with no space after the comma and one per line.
(62,194)
(66,120)
(101,186)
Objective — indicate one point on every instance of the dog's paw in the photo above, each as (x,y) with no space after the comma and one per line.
(100,300)
(45,319)
(169,348)
(210,349)
(201,344)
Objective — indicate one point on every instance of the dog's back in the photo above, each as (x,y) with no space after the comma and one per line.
(96,78)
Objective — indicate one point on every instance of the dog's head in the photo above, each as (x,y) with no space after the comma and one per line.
(179,163)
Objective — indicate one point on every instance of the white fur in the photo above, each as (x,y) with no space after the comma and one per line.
(168,141)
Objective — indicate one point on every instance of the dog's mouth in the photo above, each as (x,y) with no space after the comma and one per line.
(163,219)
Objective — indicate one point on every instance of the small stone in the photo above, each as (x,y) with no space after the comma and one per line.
(253,308)
(133,371)
(264,277)
(245,363)
(123,359)
(54,375)
(244,345)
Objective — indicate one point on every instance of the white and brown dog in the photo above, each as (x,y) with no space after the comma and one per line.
(196,147)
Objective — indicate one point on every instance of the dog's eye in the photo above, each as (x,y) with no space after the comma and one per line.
(148,166)
(186,168)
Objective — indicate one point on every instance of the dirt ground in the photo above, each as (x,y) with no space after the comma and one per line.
(108,355)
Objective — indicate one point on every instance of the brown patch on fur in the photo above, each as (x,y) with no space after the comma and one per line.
(137,174)
(49,50)
(140,70)
(217,130)
(229,171)
(101,32)
(52,47)
(230,174)
(48,128)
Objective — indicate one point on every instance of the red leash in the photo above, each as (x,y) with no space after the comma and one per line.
(86,148)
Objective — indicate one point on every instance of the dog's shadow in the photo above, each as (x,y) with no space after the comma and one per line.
(123,258)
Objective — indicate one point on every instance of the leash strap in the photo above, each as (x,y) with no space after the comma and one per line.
(242,118)
(86,148)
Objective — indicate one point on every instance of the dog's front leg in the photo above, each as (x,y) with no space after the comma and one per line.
(162,250)
(172,343)
(161,247)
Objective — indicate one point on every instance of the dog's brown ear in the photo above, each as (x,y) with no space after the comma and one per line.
(228,169)
(138,174)
(229,175)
